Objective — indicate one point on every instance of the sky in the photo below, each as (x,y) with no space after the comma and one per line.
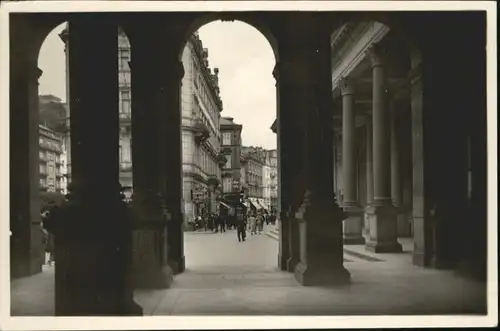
(245,60)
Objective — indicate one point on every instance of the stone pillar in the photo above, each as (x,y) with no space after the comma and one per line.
(369,174)
(307,60)
(93,241)
(283,221)
(422,203)
(172,155)
(396,185)
(26,240)
(383,216)
(353,223)
(150,267)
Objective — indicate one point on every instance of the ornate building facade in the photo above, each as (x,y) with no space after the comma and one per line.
(201,136)
(271,182)
(52,158)
(253,161)
(125,110)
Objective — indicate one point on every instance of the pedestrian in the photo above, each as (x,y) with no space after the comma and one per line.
(253,223)
(221,223)
(260,222)
(241,227)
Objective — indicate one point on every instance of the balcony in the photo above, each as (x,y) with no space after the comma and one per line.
(213,181)
(221,160)
(201,131)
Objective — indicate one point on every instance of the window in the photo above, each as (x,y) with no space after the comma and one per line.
(124,58)
(228,163)
(226,138)
(125,94)
(227,184)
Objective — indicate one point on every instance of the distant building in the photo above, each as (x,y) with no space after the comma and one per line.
(253,160)
(201,136)
(50,152)
(232,175)
(271,182)
(125,111)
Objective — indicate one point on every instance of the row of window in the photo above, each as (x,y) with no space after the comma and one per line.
(206,162)
(46,155)
(205,94)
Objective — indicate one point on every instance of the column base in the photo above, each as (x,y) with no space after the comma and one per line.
(419,259)
(283,262)
(132,308)
(153,279)
(354,240)
(383,247)
(383,230)
(291,263)
(441,264)
(353,226)
(404,226)
(178,265)
(323,275)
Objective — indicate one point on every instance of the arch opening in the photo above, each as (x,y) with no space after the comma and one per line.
(228,95)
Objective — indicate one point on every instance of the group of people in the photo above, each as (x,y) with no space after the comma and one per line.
(252,220)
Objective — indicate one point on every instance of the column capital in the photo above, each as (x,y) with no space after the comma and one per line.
(346,86)
(376,54)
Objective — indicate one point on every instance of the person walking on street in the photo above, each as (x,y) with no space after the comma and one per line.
(241,227)
(253,224)
(260,222)
(222,223)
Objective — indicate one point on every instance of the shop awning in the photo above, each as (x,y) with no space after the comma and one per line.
(255,203)
(224,204)
(262,203)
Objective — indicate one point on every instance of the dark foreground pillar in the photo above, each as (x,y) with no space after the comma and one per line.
(92,232)
(150,268)
(307,58)
(26,251)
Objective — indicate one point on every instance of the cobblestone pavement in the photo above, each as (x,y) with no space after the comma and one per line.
(226,277)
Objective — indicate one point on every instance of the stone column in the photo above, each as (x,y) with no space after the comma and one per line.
(396,187)
(150,267)
(283,221)
(308,64)
(352,224)
(383,216)
(172,155)
(93,246)
(422,204)
(369,173)
(25,242)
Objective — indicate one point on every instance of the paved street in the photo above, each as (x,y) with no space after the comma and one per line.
(225,277)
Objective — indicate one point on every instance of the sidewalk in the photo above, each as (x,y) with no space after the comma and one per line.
(226,277)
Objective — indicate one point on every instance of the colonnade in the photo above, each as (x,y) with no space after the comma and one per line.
(106,254)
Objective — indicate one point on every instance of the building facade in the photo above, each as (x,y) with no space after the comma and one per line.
(52,159)
(125,111)
(272,182)
(253,161)
(201,136)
